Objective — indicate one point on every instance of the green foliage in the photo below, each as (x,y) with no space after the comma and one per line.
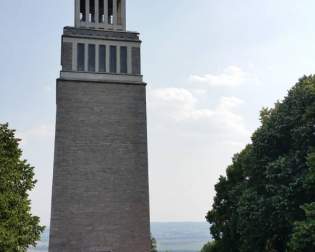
(210,247)
(303,237)
(258,203)
(153,245)
(309,182)
(18,228)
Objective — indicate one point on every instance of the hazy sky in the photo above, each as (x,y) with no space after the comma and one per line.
(210,65)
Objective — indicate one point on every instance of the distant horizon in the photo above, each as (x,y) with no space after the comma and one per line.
(161,222)
(174,236)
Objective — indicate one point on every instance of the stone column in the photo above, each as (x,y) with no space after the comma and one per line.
(129,60)
(114,12)
(97,58)
(86,57)
(77,13)
(87,11)
(123,14)
(97,12)
(107,58)
(106,13)
(118,59)
(75,57)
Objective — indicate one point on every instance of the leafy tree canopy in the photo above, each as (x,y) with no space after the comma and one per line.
(153,245)
(18,228)
(210,247)
(265,202)
(303,237)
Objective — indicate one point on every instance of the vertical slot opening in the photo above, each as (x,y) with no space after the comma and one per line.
(91,67)
(101,17)
(113,59)
(110,12)
(82,11)
(81,57)
(92,11)
(102,58)
(123,60)
(119,12)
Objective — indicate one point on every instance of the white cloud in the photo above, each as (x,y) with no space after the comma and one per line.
(181,106)
(191,142)
(232,76)
(177,95)
(176,103)
(38,132)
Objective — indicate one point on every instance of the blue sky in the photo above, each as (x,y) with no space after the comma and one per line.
(210,67)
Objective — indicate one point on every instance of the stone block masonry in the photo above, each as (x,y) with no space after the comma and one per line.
(100,197)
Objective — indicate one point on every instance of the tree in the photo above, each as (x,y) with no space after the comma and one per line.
(260,203)
(19,229)
(210,247)
(153,245)
(303,237)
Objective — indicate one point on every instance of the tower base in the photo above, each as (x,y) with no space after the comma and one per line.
(100,199)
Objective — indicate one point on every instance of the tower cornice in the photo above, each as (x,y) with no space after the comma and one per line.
(101,34)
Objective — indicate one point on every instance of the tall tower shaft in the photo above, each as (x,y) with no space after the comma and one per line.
(100,200)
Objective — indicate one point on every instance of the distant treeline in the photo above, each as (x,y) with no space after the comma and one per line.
(266,201)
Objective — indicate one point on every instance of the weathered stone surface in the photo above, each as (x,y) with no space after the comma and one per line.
(136,60)
(66,56)
(100,197)
(101,34)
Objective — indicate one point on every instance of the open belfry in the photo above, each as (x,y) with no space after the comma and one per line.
(100,199)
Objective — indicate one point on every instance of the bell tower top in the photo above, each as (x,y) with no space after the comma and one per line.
(98,47)
(101,14)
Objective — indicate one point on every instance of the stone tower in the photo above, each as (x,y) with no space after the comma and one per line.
(100,200)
